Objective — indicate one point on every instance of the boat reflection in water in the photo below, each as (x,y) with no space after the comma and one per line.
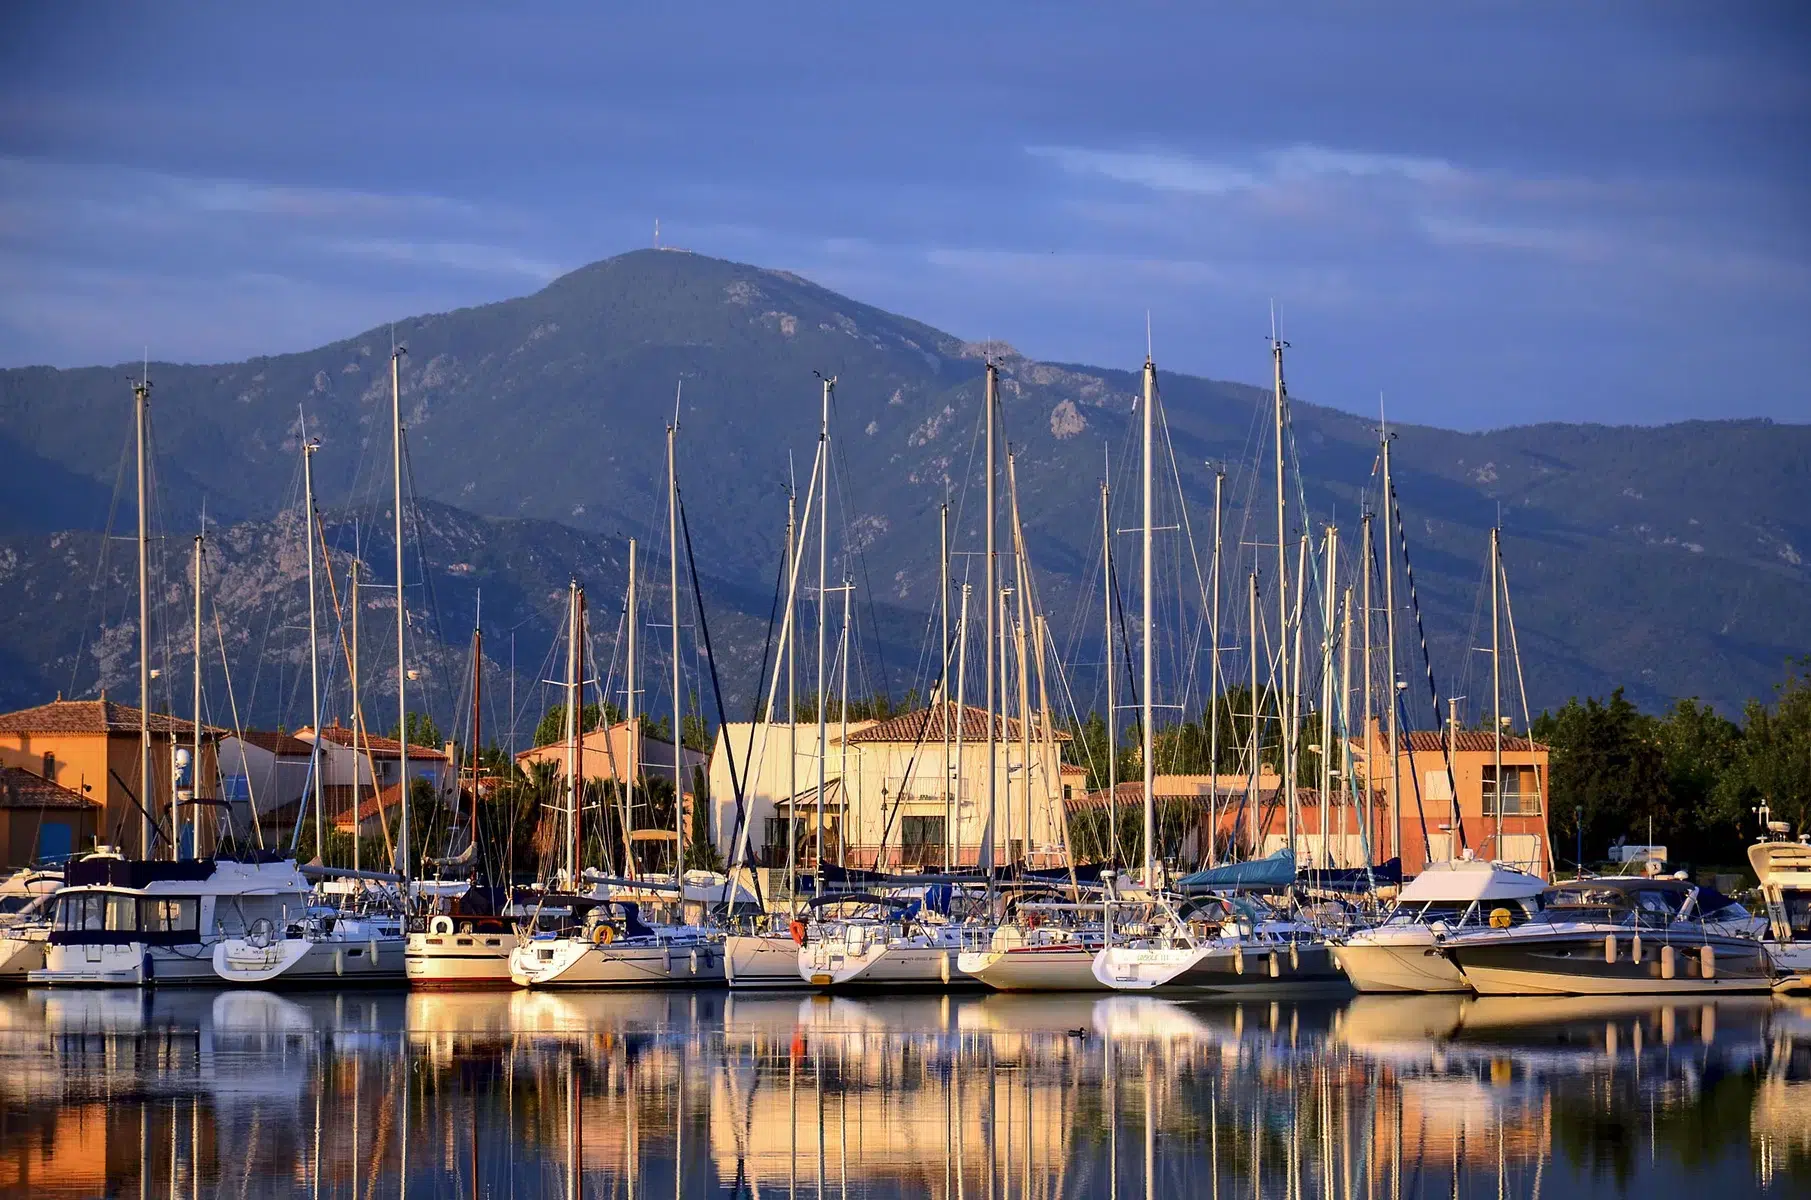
(702,1093)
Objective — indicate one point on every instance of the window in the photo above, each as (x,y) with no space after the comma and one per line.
(177,915)
(921,831)
(1520,792)
(50,766)
(122,913)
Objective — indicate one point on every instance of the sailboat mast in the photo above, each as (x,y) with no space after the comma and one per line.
(1345,709)
(1364,569)
(823,579)
(1022,594)
(792,696)
(842,716)
(402,616)
(634,728)
(961,711)
(195,760)
(991,601)
(573,732)
(678,700)
(1496,681)
(1257,768)
(358,722)
(1294,728)
(477,714)
(1389,637)
(1148,754)
(1327,619)
(1284,710)
(309,446)
(1214,689)
(1106,549)
(141,397)
(943,698)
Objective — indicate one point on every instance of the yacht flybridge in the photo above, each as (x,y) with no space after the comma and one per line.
(1784,870)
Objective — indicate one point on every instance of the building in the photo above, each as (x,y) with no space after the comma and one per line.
(1199,817)
(891,799)
(91,747)
(368,759)
(1440,816)
(41,821)
(264,769)
(617,752)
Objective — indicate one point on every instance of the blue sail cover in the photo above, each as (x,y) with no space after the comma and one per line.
(1277,871)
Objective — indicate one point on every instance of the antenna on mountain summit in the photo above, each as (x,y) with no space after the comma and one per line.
(656,233)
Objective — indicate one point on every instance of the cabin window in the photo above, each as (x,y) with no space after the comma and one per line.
(1798,914)
(178,915)
(122,914)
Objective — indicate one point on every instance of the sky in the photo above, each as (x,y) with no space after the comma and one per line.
(1481,215)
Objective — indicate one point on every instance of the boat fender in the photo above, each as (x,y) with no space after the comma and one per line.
(1609,948)
(603,935)
(694,962)
(339,962)
(1238,960)
(798,931)
(1635,948)
(1668,965)
(1499,918)
(1275,969)
(666,960)
(441,925)
(1707,961)
(1295,958)
(944,966)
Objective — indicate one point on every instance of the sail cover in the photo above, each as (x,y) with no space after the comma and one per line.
(1277,871)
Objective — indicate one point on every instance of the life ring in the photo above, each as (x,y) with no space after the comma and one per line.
(798,931)
(603,935)
(441,925)
(1499,918)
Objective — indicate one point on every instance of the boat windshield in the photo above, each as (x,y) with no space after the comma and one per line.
(1796,906)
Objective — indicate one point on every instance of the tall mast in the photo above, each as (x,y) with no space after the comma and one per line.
(678,700)
(477,711)
(1021,572)
(1496,679)
(402,615)
(943,606)
(1213,689)
(961,710)
(842,716)
(1257,768)
(578,745)
(1150,618)
(573,724)
(634,727)
(1327,619)
(195,752)
(309,446)
(991,586)
(358,730)
(1002,665)
(1364,568)
(823,579)
(1294,728)
(1106,549)
(1284,710)
(1389,637)
(792,696)
(141,397)
(1345,709)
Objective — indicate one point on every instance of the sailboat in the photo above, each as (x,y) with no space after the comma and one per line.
(133,922)
(611,945)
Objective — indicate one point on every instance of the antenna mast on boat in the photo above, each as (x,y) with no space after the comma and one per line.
(141,398)
(1150,612)
(402,621)
(309,446)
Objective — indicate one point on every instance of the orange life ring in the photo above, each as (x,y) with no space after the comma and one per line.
(797,929)
(603,935)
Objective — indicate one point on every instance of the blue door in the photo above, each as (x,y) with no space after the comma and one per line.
(55,840)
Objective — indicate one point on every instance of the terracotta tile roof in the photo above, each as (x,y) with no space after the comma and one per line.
(380,747)
(369,806)
(94,716)
(927,725)
(281,744)
(22,789)
(1131,795)
(1472,741)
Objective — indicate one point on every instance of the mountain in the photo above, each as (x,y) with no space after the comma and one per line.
(1668,559)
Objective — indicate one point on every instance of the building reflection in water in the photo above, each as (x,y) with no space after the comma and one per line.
(921,1097)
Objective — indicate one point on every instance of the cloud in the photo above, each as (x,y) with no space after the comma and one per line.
(1166,171)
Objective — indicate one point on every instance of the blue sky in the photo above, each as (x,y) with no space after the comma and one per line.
(1491,214)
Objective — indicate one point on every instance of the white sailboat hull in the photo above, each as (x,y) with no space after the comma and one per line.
(577,962)
(459,961)
(1400,961)
(907,963)
(764,961)
(1058,968)
(22,953)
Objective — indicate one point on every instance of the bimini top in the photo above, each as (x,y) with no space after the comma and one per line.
(1781,863)
(1462,881)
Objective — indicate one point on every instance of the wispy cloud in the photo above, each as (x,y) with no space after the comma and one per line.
(1167,171)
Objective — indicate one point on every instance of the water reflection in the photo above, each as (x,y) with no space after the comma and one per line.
(697,1093)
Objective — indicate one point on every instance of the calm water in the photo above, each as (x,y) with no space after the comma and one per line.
(665,1094)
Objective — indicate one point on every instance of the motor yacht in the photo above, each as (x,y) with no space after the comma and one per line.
(1784,869)
(25,911)
(614,947)
(1399,954)
(133,922)
(1220,946)
(1617,935)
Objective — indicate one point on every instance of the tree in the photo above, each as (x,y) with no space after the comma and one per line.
(552,726)
(1773,762)
(1608,765)
(422,731)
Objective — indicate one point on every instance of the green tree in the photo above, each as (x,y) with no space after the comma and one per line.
(422,731)
(1608,769)
(552,726)
(1773,762)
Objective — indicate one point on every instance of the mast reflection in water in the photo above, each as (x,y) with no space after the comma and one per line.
(710,1094)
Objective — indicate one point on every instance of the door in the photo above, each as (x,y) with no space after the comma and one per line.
(55,841)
